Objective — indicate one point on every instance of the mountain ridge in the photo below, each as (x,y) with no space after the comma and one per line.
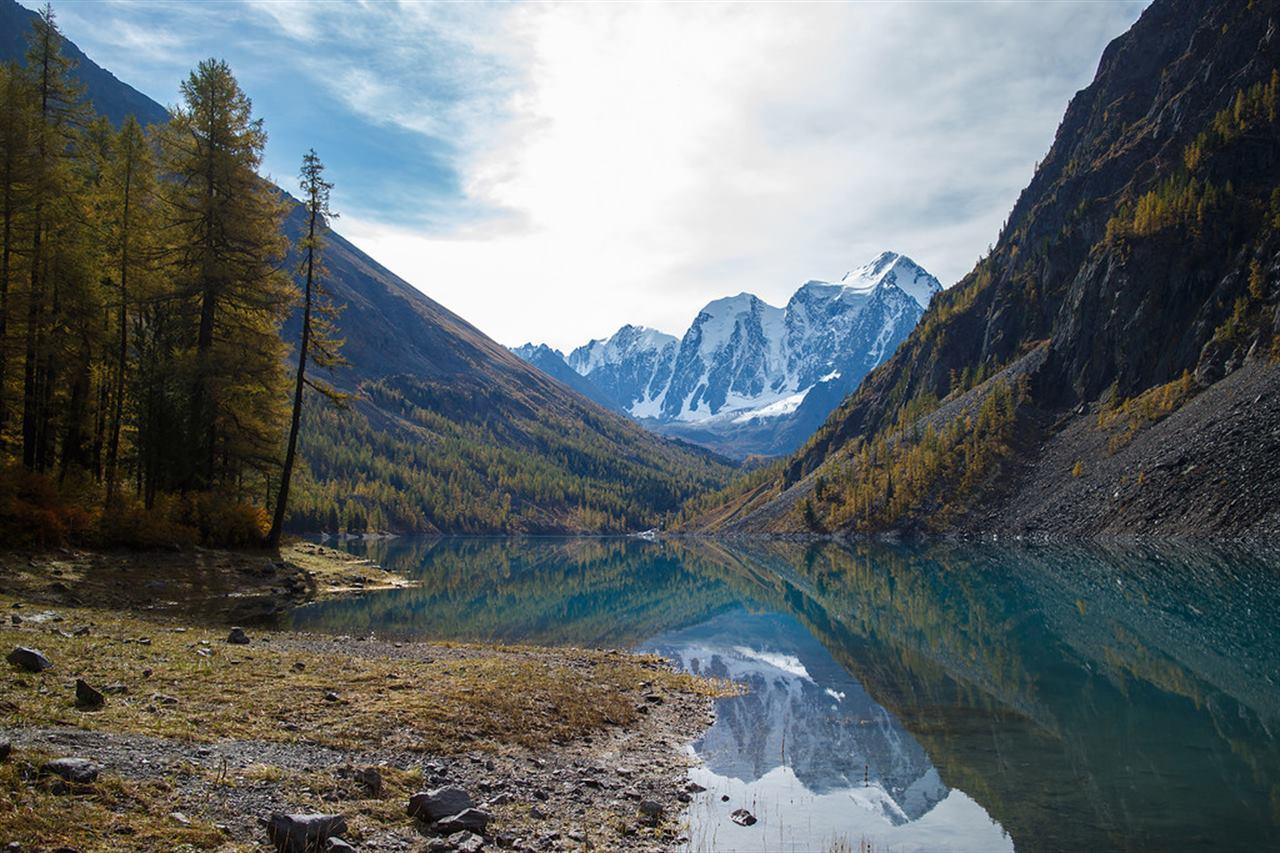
(749,377)
(1137,269)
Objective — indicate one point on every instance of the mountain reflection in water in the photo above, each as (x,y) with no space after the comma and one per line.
(945,696)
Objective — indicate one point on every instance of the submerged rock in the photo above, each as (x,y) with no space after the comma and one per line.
(304,833)
(32,660)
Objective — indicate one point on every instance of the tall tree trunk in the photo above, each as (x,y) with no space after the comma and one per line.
(35,298)
(6,260)
(113,446)
(282,503)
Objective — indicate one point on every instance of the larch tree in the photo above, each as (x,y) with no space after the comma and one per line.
(224,224)
(59,113)
(129,190)
(318,340)
(16,129)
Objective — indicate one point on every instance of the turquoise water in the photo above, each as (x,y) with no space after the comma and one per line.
(940,697)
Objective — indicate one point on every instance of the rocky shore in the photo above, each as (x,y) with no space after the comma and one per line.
(189,736)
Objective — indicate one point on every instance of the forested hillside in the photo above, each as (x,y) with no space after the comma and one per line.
(149,298)
(1109,365)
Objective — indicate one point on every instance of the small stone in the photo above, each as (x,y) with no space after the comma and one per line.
(82,631)
(303,833)
(370,778)
(87,696)
(332,696)
(15,618)
(180,818)
(144,641)
(651,808)
(654,698)
(299,666)
(742,817)
(438,845)
(537,813)
(469,820)
(32,660)
(163,699)
(694,788)
(499,799)
(337,845)
(238,637)
(439,803)
(466,842)
(79,770)
(724,798)
(6,749)
(116,688)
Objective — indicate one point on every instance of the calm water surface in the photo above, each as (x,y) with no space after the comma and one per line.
(940,697)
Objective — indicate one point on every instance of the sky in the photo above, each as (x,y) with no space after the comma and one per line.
(552,171)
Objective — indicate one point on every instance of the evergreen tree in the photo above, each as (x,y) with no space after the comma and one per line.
(318,339)
(225,225)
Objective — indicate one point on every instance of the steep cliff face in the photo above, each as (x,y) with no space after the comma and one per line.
(1144,247)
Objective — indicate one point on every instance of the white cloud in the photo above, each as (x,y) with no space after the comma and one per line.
(662,155)
(574,167)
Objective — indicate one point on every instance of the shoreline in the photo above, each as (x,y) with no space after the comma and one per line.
(201,739)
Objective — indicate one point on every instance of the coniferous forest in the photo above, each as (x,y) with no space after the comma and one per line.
(143,286)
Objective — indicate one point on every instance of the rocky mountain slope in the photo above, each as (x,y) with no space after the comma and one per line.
(748,377)
(448,432)
(1088,351)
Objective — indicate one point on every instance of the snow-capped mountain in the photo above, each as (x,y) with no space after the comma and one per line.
(749,377)
(633,367)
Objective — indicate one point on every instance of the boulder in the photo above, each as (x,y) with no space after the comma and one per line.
(32,660)
(238,637)
(79,770)
(467,820)
(303,833)
(742,817)
(439,803)
(87,696)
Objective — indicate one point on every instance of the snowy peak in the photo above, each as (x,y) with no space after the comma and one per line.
(627,342)
(891,268)
(744,364)
(530,351)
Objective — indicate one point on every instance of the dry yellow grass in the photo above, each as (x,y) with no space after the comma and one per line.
(457,697)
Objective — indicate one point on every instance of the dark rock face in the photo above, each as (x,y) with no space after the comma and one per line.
(1122,306)
(430,806)
(32,660)
(303,833)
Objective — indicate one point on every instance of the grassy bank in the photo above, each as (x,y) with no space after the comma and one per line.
(191,721)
